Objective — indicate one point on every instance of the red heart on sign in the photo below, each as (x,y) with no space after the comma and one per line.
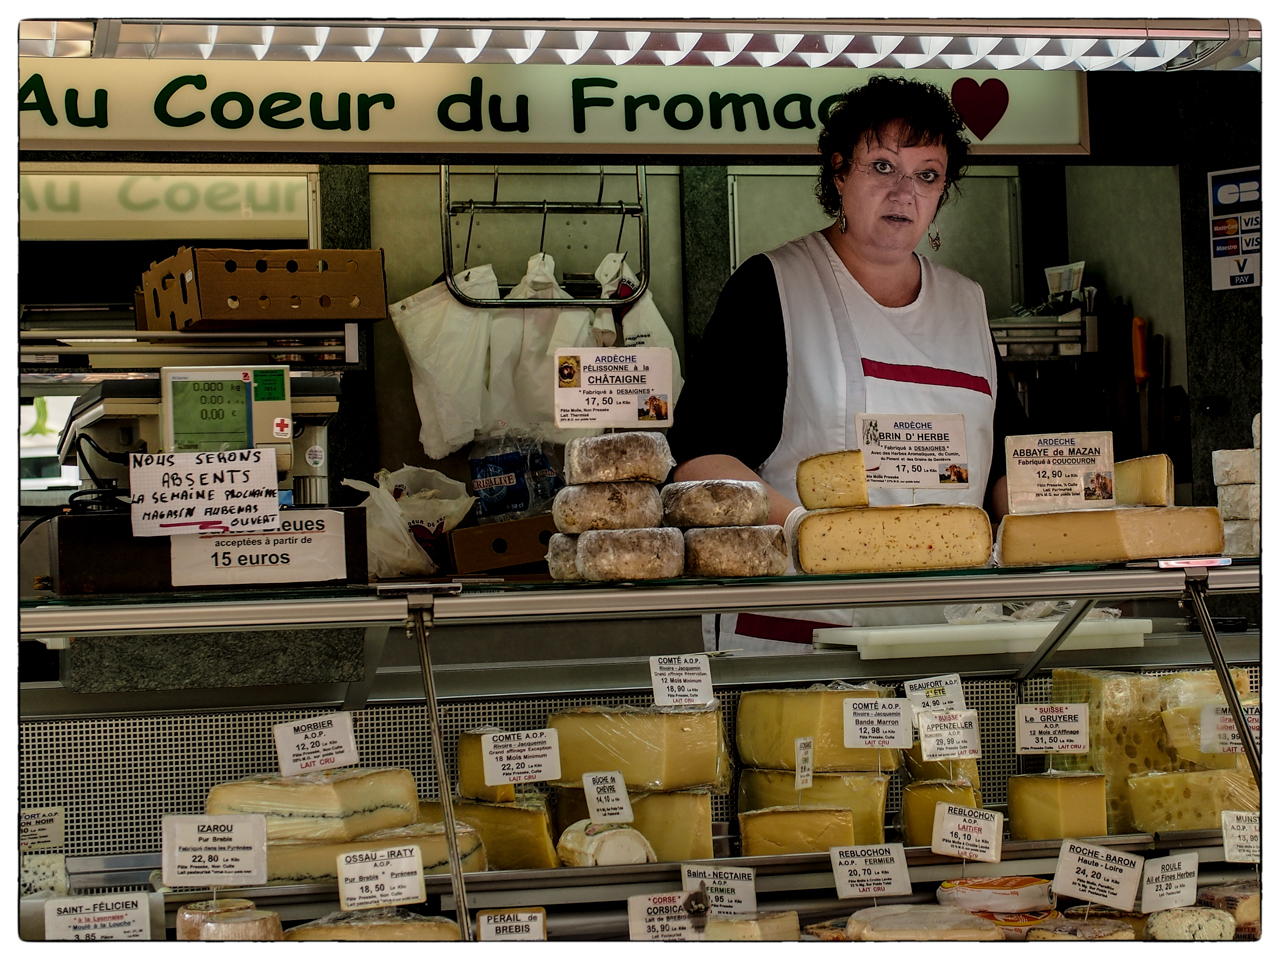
(980,107)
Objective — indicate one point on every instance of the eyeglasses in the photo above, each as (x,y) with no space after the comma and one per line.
(926,183)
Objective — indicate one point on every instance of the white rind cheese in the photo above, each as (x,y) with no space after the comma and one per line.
(1145,481)
(380,923)
(996,894)
(770,720)
(656,554)
(613,457)
(562,557)
(863,794)
(715,503)
(1057,806)
(781,926)
(1191,923)
(336,805)
(832,480)
(587,844)
(922,921)
(1109,536)
(676,824)
(780,830)
(471,769)
(301,862)
(606,506)
(1066,928)
(1236,466)
(887,539)
(191,917)
(241,925)
(735,552)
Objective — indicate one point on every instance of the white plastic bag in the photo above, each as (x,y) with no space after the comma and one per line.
(447,345)
(642,323)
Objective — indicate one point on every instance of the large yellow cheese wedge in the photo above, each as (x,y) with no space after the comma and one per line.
(471,769)
(1145,481)
(676,824)
(316,862)
(1056,806)
(887,539)
(1109,536)
(918,768)
(832,480)
(516,836)
(863,794)
(770,720)
(1191,800)
(920,799)
(780,830)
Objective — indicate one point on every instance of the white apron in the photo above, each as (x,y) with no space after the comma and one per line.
(847,354)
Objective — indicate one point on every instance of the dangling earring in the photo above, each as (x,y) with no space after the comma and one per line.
(935,239)
(841,223)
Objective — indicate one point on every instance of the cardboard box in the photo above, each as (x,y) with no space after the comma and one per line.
(496,546)
(203,289)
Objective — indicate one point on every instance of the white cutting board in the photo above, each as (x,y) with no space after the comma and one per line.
(962,639)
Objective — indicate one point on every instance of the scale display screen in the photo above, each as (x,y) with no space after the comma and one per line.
(210,415)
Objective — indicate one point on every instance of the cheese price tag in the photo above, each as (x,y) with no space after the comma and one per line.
(1242,836)
(229,851)
(231,491)
(1098,874)
(511,924)
(1218,732)
(804,762)
(950,735)
(320,743)
(381,878)
(623,387)
(308,547)
(730,890)
(879,870)
(666,916)
(681,681)
(967,832)
(877,722)
(607,800)
(523,756)
(936,693)
(914,450)
(105,916)
(1063,471)
(1053,728)
(1170,882)
(41,829)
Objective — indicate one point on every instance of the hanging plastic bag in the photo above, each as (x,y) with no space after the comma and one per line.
(407,515)
(447,345)
(642,323)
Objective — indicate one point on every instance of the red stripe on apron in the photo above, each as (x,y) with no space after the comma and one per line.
(935,376)
(778,628)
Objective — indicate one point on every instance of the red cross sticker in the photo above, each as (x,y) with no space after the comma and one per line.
(282,427)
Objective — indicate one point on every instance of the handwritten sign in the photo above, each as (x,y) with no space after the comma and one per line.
(878,870)
(231,491)
(227,851)
(1053,728)
(683,680)
(523,756)
(1098,874)
(607,800)
(320,743)
(381,878)
(628,387)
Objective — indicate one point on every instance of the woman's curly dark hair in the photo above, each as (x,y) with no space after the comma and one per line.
(864,112)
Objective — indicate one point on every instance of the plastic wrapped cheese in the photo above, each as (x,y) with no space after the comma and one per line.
(715,503)
(1191,923)
(608,458)
(1015,926)
(1109,536)
(1183,727)
(240,925)
(996,894)
(190,917)
(1242,900)
(918,768)
(562,557)
(516,835)
(1057,805)
(864,794)
(471,769)
(655,554)
(1066,928)
(774,926)
(677,824)
(380,923)
(888,539)
(920,799)
(317,861)
(1196,686)
(770,720)
(735,552)
(1189,800)
(922,921)
(335,805)
(780,830)
(587,844)
(832,480)
(606,506)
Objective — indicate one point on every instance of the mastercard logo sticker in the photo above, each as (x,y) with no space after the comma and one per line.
(1226,228)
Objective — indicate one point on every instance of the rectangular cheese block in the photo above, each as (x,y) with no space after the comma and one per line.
(516,836)
(471,769)
(770,720)
(918,768)
(1242,538)
(1242,900)
(1109,536)
(1236,466)
(677,824)
(1144,481)
(1057,806)
(784,925)
(656,748)
(920,799)
(863,794)
(380,923)
(886,539)
(832,480)
(302,862)
(336,805)
(780,830)
(1240,501)
(1192,800)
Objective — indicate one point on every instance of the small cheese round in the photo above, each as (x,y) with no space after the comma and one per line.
(1191,923)
(607,506)
(656,554)
(715,503)
(587,844)
(735,552)
(562,557)
(613,457)
(192,916)
(242,925)
(1066,928)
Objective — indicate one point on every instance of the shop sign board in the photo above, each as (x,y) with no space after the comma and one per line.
(1235,227)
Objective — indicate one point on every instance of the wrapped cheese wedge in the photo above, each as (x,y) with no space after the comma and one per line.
(240,925)
(996,894)
(380,923)
(191,917)
(587,844)
(784,925)
(928,922)
(1242,900)
(471,769)
(782,830)
(316,862)
(1096,911)
(864,794)
(1015,926)
(1189,801)
(1066,928)
(516,835)
(770,720)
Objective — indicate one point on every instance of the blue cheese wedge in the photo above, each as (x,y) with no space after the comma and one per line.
(43,874)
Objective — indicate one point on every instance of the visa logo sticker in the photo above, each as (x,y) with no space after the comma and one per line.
(1251,243)
(1251,221)
(1226,248)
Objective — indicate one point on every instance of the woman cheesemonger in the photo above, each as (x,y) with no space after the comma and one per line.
(844,321)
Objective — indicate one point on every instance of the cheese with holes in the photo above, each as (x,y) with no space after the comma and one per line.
(832,480)
(1109,536)
(314,862)
(471,769)
(562,557)
(715,503)
(779,926)
(191,917)
(1145,481)
(1240,501)
(587,844)
(923,921)
(1191,923)
(654,748)
(778,830)
(1066,928)
(606,506)
(918,768)
(735,552)
(516,835)
(887,539)
(770,720)
(335,805)
(1057,806)
(1189,800)
(380,923)
(676,824)
(655,554)
(863,794)
(996,894)
(920,799)
(1242,900)
(612,457)
(1182,726)
(241,925)
(1236,466)
(1197,686)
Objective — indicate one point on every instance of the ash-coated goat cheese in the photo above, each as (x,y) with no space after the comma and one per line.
(613,457)
(606,506)
(832,480)
(735,552)
(715,503)
(655,554)
(886,539)
(562,557)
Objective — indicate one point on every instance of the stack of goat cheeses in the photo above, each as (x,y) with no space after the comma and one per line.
(1238,476)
